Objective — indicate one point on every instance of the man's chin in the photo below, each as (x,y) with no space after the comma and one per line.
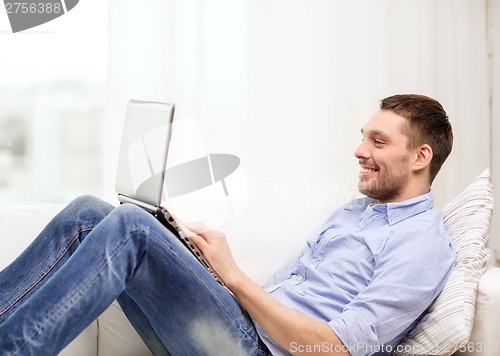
(370,192)
(379,195)
(366,188)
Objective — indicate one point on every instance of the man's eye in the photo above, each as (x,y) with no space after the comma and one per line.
(378,142)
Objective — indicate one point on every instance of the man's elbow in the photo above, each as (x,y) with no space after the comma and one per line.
(320,340)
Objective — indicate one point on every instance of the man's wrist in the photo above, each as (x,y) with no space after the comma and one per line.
(235,280)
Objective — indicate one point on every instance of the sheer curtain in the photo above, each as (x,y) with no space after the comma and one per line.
(285,85)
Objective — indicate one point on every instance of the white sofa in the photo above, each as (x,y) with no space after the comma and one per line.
(112,335)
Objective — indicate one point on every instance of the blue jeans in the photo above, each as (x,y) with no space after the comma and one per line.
(91,254)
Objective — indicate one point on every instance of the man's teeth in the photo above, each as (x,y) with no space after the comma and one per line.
(367,170)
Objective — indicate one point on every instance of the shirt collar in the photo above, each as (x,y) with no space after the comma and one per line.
(399,211)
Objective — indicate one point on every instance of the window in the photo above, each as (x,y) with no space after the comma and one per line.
(52,105)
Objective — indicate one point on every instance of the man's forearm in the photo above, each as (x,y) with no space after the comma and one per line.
(285,326)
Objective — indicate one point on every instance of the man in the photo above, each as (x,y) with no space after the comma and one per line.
(358,287)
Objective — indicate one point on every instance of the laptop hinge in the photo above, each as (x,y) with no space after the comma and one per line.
(124,199)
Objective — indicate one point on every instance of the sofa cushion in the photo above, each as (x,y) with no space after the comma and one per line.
(447,325)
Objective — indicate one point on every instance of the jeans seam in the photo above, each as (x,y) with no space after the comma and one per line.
(45,272)
(79,291)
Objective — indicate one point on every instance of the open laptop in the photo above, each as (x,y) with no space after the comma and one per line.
(142,164)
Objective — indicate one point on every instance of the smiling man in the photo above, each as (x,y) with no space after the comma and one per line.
(358,287)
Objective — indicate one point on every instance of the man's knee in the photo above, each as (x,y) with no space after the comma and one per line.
(131,215)
(86,204)
(128,210)
(85,201)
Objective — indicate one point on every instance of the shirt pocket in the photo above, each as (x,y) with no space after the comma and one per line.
(350,263)
(359,248)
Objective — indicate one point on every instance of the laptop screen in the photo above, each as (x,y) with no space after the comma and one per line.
(144,148)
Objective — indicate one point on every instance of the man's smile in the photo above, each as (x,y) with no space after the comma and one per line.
(367,170)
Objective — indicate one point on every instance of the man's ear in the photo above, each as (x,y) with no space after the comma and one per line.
(423,157)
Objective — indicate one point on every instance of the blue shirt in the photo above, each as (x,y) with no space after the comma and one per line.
(369,272)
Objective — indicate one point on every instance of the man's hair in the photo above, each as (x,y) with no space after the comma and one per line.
(427,123)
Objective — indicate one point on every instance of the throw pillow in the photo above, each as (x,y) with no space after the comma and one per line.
(447,324)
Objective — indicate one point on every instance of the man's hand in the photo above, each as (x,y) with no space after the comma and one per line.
(214,247)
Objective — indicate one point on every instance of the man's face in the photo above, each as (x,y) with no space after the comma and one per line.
(384,158)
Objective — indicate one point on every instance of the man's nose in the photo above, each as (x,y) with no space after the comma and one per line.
(362,151)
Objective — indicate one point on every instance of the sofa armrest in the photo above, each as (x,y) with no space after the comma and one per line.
(485,337)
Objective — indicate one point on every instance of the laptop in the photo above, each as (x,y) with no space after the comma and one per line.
(142,165)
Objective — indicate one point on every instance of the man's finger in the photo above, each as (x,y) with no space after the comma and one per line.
(198,227)
(186,230)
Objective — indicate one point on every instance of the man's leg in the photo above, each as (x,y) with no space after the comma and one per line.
(190,312)
(172,300)
(48,252)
